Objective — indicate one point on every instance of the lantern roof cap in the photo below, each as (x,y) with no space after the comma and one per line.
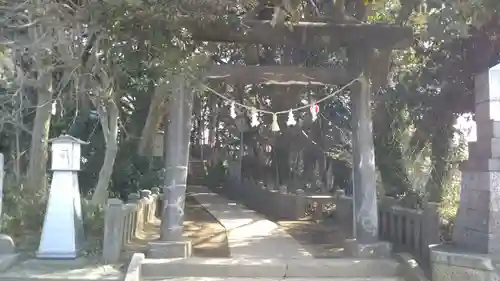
(64,138)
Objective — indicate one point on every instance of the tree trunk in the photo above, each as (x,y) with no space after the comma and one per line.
(388,122)
(108,116)
(442,152)
(212,126)
(155,114)
(39,141)
(198,117)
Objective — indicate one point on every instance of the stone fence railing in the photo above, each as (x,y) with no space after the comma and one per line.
(123,221)
(278,204)
(409,230)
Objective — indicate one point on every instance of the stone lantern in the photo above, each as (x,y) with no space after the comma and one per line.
(62,233)
(7,246)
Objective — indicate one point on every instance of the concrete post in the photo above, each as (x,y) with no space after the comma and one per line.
(145,193)
(113,231)
(431,226)
(283,189)
(300,203)
(339,193)
(133,197)
(155,190)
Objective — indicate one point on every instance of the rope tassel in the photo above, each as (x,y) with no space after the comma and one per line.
(254,122)
(232,110)
(314,111)
(291,120)
(275,127)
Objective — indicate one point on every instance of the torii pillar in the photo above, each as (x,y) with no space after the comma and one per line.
(366,242)
(171,243)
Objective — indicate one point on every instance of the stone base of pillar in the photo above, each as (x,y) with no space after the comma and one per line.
(8,255)
(450,264)
(381,249)
(7,245)
(169,249)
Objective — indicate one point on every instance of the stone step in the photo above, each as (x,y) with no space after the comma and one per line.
(59,270)
(269,268)
(277,279)
(80,274)
(57,278)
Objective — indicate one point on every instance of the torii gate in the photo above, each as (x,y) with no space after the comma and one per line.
(358,38)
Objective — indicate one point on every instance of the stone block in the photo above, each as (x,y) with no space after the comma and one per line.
(488,129)
(225,279)
(409,269)
(7,261)
(169,249)
(133,272)
(477,164)
(480,242)
(479,180)
(449,263)
(214,267)
(487,95)
(477,225)
(7,245)
(354,248)
(181,267)
(341,268)
(476,220)
(447,272)
(257,268)
(485,148)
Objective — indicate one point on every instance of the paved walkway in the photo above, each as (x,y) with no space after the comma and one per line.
(249,234)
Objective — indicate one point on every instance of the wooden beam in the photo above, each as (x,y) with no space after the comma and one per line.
(301,33)
(278,75)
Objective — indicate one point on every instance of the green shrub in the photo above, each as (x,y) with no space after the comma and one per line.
(216,175)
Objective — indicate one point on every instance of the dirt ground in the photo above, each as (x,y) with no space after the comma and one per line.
(321,240)
(208,237)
